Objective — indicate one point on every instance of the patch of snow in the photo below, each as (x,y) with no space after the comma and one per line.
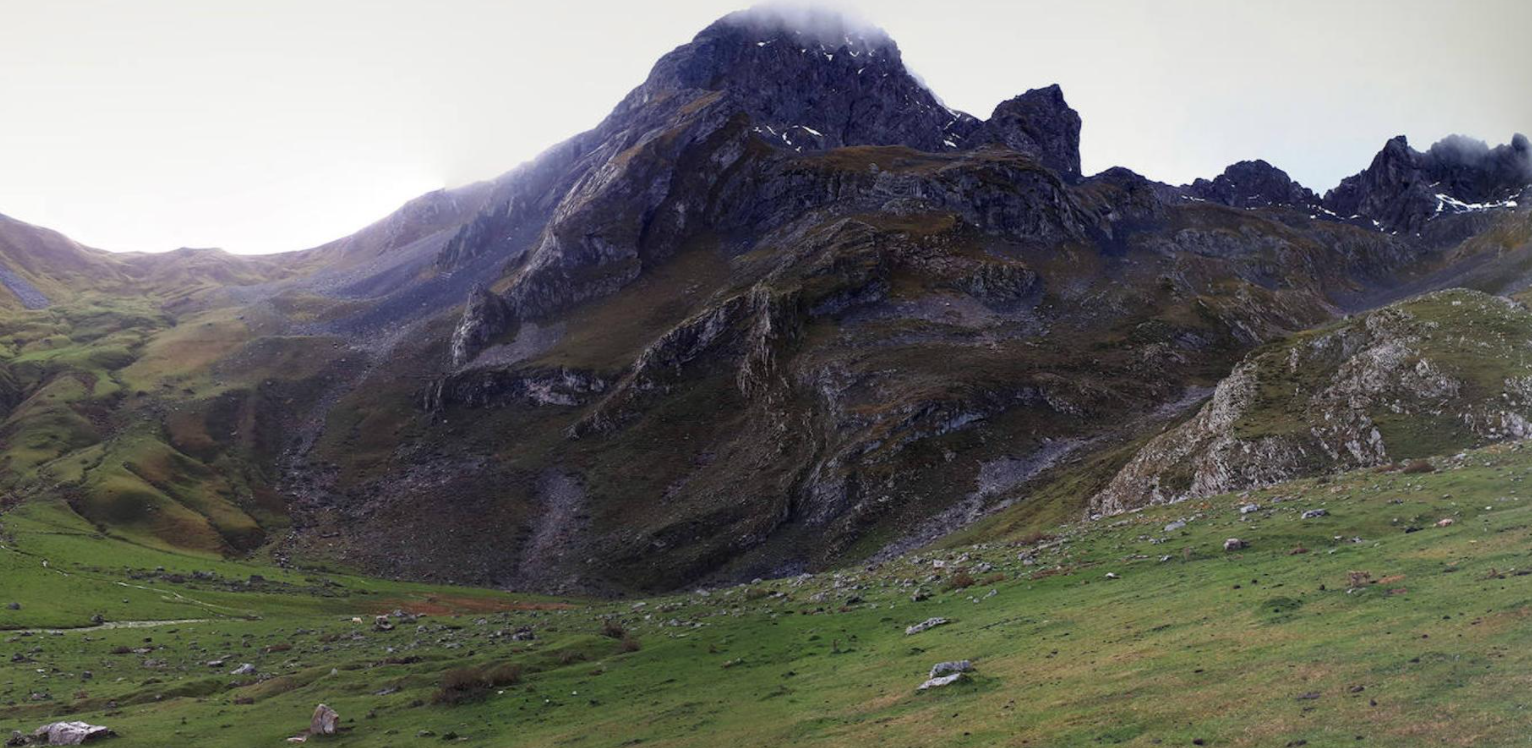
(1448,204)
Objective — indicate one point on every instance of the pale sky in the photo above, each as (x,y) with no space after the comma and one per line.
(271,125)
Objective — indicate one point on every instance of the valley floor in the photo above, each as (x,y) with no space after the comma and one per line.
(1374,624)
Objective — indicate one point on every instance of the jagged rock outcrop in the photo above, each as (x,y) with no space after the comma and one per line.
(1040,124)
(1253,184)
(485,316)
(1403,188)
(1444,371)
(483,388)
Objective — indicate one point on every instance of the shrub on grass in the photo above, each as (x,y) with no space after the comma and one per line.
(461,685)
(961,581)
(1419,466)
(504,674)
(629,643)
(611,629)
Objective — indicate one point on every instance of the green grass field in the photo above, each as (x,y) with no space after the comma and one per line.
(1370,625)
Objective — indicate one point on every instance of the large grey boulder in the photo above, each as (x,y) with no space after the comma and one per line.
(324,722)
(70,733)
(946,673)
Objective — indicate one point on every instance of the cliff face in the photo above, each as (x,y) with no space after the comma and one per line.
(1443,372)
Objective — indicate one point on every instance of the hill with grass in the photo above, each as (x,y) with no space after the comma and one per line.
(1429,376)
(1380,606)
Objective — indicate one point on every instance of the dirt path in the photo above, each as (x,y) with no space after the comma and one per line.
(109,625)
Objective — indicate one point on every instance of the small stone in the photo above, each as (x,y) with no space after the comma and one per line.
(942,681)
(929,623)
(1313,513)
(1235,544)
(1250,509)
(945,668)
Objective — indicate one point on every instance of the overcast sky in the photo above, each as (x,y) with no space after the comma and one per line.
(273,125)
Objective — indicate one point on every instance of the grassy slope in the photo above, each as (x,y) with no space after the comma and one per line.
(1260,647)
(148,421)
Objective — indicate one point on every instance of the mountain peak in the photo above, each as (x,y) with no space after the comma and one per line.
(1404,188)
(1252,184)
(808,79)
(1041,124)
(807,25)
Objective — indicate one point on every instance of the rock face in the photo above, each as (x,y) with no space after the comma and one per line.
(1253,184)
(1040,124)
(1443,371)
(1404,188)
(484,317)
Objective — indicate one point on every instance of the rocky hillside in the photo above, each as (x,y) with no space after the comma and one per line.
(1443,372)
(780,310)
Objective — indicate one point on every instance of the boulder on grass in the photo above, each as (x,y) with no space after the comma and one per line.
(70,733)
(324,722)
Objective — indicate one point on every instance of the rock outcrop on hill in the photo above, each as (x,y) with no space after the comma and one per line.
(1442,372)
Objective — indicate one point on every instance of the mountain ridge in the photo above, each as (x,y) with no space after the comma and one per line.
(770,315)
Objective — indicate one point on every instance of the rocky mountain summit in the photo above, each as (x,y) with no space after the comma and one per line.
(1253,184)
(780,310)
(1404,188)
